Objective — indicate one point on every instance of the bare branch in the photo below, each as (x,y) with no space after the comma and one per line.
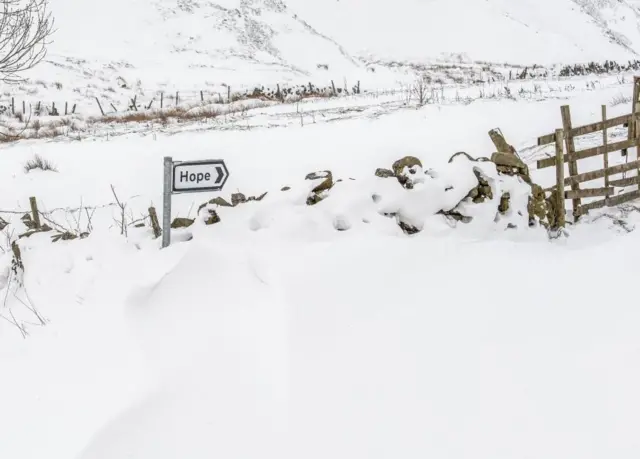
(25,29)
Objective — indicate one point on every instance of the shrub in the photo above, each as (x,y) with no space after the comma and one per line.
(38,162)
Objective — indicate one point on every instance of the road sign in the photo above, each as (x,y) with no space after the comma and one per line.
(189,177)
(198,176)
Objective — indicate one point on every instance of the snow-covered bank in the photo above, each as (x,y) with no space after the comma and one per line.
(355,346)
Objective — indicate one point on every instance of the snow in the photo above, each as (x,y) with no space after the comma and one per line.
(288,330)
(274,334)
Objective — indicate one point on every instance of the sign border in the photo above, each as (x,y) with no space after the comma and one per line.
(196,163)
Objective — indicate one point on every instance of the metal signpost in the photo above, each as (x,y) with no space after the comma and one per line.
(189,177)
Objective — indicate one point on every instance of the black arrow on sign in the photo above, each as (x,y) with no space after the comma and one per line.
(220,174)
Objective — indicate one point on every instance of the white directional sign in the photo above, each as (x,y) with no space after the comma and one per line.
(189,177)
(198,176)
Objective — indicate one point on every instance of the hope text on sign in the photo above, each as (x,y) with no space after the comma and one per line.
(196,176)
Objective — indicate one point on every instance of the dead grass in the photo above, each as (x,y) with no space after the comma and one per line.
(38,162)
(162,116)
(620,99)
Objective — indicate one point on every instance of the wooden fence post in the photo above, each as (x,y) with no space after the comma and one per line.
(605,141)
(565,110)
(34,212)
(100,106)
(228,94)
(155,224)
(13,106)
(177,98)
(633,133)
(24,108)
(201,96)
(560,208)
(66,108)
(161,100)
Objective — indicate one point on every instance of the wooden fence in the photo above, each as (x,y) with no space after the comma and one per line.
(566,152)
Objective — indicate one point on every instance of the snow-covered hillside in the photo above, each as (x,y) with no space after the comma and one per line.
(516,31)
(187,44)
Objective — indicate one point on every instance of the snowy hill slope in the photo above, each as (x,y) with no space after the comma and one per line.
(187,43)
(192,41)
(124,48)
(514,31)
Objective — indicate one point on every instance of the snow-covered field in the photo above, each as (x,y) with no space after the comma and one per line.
(300,331)
(273,334)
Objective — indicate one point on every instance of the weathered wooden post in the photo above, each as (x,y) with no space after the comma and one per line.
(560,208)
(565,110)
(155,224)
(34,212)
(100,106)
(635,132)
(605,141)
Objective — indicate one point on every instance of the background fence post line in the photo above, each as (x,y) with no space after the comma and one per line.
(560,208)
(166,201)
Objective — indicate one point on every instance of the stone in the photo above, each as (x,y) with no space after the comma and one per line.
(320,191)
(407,162)
(410,164)
(238,198)
(407,228)
(257,198)
(510,164)
(220,201)
(181,223)
(384,173)
(483,191)
(539,208)
(212,218)
(285,188)
(455,215)
(325,185)
(505,201)
(507,159)
(3,224)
